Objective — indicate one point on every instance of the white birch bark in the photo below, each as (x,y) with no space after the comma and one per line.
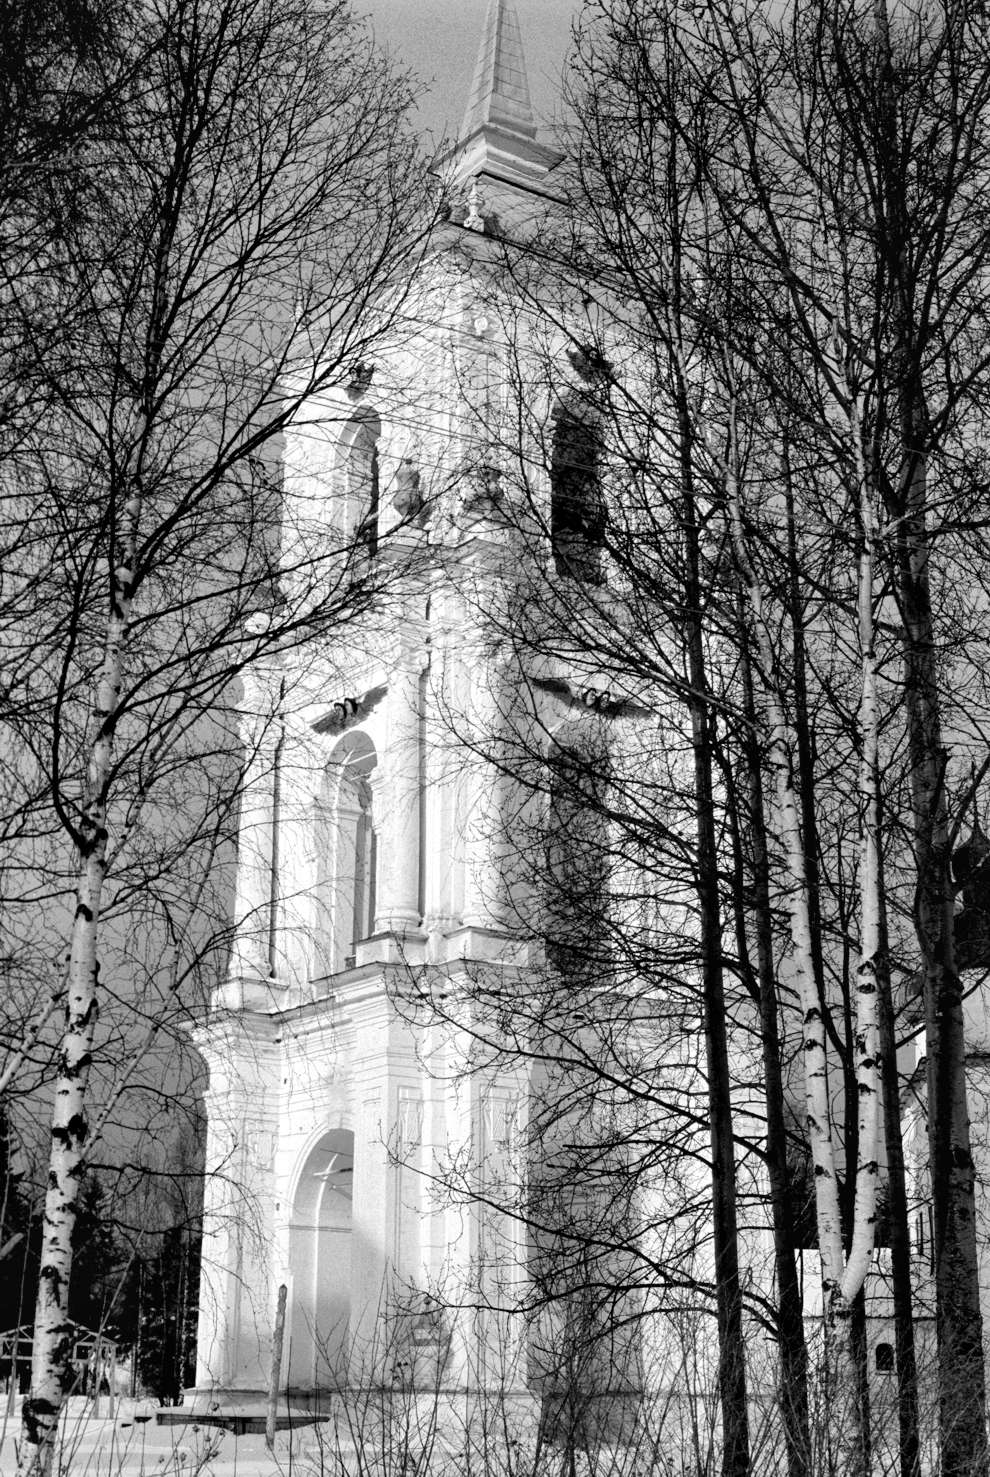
(838,1278)
(813,1026)
(867,1038)
(69,1129)
(31,1035)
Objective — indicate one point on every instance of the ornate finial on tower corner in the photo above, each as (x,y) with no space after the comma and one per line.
(589,364)
(360,380)
(408,500)
(474,220)
(483,495)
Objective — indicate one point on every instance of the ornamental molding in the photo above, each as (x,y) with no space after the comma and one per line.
(346,712)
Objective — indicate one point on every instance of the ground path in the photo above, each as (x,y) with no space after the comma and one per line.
(131,1444)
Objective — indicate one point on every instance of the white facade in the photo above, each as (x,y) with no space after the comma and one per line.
(343,1111)
(335,1101)
(367,1138)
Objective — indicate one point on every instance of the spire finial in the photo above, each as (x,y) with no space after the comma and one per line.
(500,90)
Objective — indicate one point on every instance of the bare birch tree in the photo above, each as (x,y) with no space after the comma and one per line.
(252,189)
(827,129)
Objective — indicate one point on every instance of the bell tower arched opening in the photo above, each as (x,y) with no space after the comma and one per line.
(352,844)
(359,481)
(577,510)
(320,1234)
(576,855)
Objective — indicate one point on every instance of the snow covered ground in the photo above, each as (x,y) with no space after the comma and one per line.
(132,1444)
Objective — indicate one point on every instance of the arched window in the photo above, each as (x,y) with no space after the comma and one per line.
(359,478)
(353,863)
(577,513)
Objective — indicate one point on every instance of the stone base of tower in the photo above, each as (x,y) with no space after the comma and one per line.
(332,1159)
(242,1412)
(447,1417)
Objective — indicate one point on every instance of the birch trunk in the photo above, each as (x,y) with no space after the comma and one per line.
(790,1311)
(843,1384)
(69,1128)
(813,1034)
(840,1035)
(900,1247)
(804,746)
(962,1379)
(897,1206)
(959,1325)
(728,1288)
(866,1038)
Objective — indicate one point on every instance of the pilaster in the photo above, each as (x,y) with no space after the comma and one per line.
(489,859)
(236,1292)
(388,1096)
(397,788)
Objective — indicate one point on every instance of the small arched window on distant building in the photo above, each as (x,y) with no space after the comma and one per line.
(577,510)
(885,1359)
(357,461)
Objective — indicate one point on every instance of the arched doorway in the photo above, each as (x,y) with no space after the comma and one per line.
(320,1264)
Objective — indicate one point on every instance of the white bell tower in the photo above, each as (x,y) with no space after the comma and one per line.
(372,869)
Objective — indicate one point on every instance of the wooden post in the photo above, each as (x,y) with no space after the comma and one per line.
(136,1350)
(14,1381)
(276,1367)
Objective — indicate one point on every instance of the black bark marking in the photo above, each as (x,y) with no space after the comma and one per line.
(53,1277)
(35,1410)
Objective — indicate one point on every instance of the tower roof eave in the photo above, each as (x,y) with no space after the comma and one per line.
(501,154)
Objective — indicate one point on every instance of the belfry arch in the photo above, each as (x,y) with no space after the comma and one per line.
(359,480)
(320,1238)
(350,860)
(577,516)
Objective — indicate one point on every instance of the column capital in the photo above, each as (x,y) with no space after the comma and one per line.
(408,658)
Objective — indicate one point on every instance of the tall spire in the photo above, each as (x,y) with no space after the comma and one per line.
(500,90)
(498,154)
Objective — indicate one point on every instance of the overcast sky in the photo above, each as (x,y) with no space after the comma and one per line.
(439,39)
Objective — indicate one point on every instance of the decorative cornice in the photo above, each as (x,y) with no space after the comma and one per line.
(592,698)
(348,711)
